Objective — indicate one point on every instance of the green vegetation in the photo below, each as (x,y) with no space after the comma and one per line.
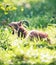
(41,15)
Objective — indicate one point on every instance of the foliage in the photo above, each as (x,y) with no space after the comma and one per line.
(6,8)
(41,15)
(15,10)
(16,51)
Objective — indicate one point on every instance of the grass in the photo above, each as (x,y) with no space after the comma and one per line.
(17,51)
(14,51)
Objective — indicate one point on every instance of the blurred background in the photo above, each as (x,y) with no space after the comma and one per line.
(36,12)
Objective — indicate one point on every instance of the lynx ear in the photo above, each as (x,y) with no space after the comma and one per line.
(20,23)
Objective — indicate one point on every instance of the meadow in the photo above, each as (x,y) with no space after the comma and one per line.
(41,16)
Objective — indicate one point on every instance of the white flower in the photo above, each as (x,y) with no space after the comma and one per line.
(46,57)
(15,43)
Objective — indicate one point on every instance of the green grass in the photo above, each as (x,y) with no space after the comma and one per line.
(14,51)
(17,51)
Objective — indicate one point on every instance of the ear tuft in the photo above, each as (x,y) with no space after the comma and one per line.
(20,23)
